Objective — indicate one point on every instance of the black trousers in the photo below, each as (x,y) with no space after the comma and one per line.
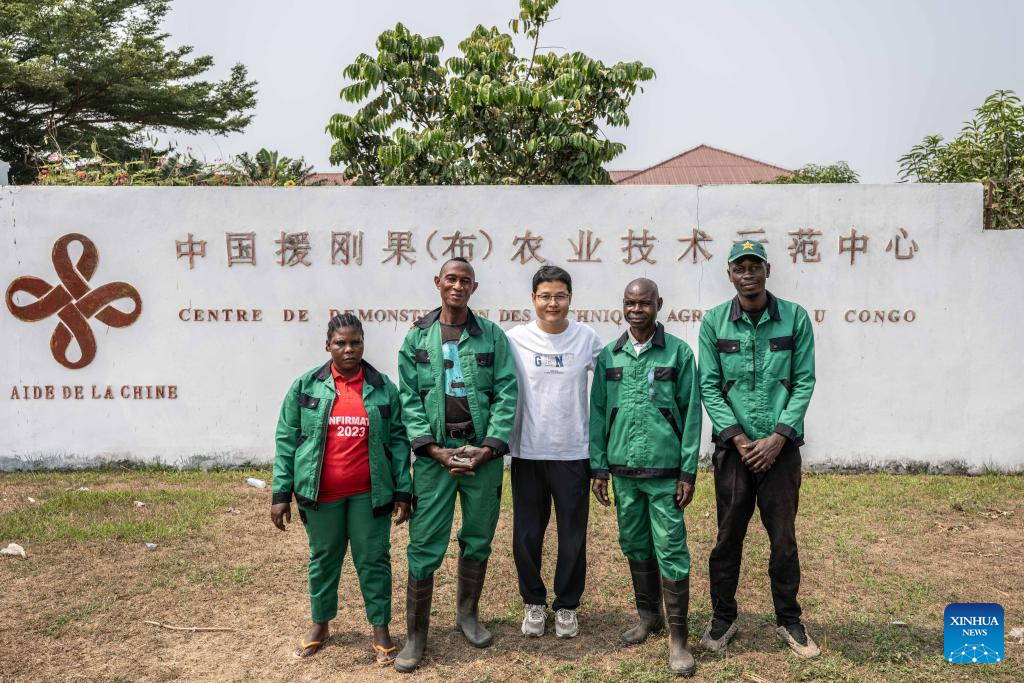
(777,495)
(535,484)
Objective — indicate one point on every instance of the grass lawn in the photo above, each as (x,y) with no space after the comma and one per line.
(882,555)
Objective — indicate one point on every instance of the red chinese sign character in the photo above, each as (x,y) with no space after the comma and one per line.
(638,248)
(805,245)
(400,246)
(696,248)
(529,244)
(347,247)
(909,246)
(757,233)
(190,249)
(584,248)
(293,248)
(241,248)
(853,243)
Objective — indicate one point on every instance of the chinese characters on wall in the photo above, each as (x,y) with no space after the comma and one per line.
(400,248)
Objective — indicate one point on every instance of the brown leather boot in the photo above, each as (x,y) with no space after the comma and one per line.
(471,584)
(647,589)
(418,596)
(677,607)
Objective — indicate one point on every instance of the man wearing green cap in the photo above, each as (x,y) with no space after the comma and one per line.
(756,379)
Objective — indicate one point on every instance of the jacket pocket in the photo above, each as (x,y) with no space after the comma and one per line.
(781,357)
(483,371)
(385,411)
(307,401)
(668,374)
(613,374)
(671,419)
(782,344)
(423,375)
(728,345)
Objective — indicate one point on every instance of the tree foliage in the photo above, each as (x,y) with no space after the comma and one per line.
(988,150)
(149,169)
(839,172)
(267,167)
(74,72)
(485,116)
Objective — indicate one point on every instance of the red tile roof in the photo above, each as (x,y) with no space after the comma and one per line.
(328,179)
(619,175)
(702,165)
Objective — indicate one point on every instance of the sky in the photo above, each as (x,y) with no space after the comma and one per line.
(788,82)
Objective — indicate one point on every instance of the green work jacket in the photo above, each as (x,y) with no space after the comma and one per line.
(645,414)
(489,372)
(302,438)
(757,380)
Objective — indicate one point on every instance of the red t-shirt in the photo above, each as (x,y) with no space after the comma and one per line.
(346,468)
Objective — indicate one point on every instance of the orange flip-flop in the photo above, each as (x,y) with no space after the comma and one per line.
(303,646)
(385,655)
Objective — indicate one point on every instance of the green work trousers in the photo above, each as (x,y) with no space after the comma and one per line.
(431,526)
(348,521)
(650,524)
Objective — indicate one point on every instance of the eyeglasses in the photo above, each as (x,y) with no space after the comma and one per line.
(548,298)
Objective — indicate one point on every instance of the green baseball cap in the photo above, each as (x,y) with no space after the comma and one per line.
(747,248)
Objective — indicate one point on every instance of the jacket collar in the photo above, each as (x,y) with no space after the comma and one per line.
(657,340)
(370,374)
(472,326)
(736,312)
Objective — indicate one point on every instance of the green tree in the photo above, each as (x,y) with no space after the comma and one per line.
(485,116)
(268,168)
(989,150)
(839,172)
(83,71)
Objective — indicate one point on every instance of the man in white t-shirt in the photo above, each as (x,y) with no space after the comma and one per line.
(550,451)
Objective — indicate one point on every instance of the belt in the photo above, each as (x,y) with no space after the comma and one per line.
(465,434)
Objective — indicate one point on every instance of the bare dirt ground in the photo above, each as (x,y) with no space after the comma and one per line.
(882,556)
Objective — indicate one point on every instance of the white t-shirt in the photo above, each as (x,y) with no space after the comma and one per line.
(553,412)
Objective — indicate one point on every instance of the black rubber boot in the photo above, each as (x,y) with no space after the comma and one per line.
(418,596)
(471,584)
(677,607)
(647,589)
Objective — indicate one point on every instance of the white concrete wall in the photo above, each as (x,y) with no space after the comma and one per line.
(941,389)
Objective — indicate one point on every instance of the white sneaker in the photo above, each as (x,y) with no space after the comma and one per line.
(566,624)
(533,620)
(808,650)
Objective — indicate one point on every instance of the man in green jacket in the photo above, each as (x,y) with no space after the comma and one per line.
(645,423)
(458,387)
(756,378)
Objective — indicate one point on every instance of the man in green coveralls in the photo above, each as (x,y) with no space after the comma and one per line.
(458,391)
(645,422)
(756,377)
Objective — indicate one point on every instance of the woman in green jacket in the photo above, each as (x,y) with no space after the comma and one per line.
(343,453)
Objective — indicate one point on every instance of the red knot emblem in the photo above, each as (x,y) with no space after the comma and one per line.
(74,301)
